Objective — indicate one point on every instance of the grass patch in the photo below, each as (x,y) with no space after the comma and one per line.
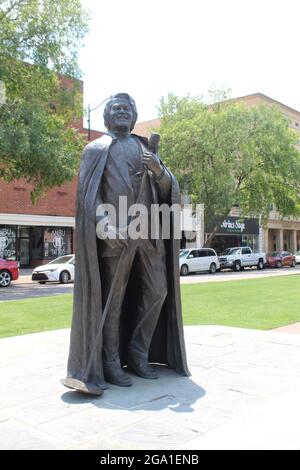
(249,303)
(18,317)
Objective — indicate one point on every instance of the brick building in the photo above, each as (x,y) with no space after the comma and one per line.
(36,233)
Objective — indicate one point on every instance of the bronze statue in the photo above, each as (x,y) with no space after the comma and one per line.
(127,308)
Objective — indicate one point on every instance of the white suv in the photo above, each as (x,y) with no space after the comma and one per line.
(198,259)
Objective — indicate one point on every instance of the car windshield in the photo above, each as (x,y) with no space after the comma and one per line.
(230,251)
(183,253)
(273,254)
(61,260)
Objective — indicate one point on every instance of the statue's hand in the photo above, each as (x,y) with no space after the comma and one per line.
(152,163)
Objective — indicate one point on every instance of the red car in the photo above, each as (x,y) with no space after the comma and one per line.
(277,259)
(9,271)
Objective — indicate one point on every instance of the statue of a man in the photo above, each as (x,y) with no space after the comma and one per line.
(127,308)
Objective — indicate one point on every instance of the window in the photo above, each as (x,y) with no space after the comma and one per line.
(36,242)
(246,251)
(202,253)
(193,254)
(23,232)
(210,253)
(57,242)
(8,242)
(183,253)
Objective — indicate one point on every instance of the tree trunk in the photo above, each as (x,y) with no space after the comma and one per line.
(208,242)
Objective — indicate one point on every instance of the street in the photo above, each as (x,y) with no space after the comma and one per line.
(24,288)
(19,290)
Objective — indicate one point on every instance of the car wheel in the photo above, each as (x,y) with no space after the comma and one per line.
(293,265)
(42,282)
(278,264)
(5,278)
(237,266)
(213,268)
(184,270)
(260,264)
(64,277)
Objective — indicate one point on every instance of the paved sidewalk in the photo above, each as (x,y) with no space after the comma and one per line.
(293,328)
(243,394)
(25,276)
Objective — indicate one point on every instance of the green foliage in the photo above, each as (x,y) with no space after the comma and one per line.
(39,43)
(228,153)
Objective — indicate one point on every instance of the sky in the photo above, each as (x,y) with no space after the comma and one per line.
(149,48)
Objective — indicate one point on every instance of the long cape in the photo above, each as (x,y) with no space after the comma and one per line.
(167,345)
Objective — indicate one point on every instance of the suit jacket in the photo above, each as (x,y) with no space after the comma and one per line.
(167,345)
(120,183)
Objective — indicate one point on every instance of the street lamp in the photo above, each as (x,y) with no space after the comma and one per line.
(89,111)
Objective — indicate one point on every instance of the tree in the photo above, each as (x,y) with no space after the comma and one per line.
(39,43)
(227,154)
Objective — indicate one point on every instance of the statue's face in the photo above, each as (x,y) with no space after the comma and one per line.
(120,115)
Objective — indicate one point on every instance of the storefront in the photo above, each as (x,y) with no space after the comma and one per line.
(234,231)
(34,245)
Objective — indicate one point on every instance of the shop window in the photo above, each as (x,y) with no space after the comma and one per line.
(57,242)
(8,242)
(23,232)
(36,242)
(251,241)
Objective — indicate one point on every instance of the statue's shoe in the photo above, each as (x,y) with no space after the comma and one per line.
(114,374)
(141,367)
(81,386)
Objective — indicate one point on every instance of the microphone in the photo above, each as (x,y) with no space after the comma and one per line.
(153,142)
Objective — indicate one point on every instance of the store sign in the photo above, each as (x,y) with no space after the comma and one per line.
(239,226)
(233,226)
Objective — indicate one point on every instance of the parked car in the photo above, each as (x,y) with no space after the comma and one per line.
(9,271)
(237,258)
(277,259)
(297,257)
(196,260)
(61,270)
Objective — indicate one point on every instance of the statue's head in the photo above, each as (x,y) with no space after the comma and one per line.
(120,112)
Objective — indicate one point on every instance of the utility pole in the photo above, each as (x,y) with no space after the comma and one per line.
(89,111)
